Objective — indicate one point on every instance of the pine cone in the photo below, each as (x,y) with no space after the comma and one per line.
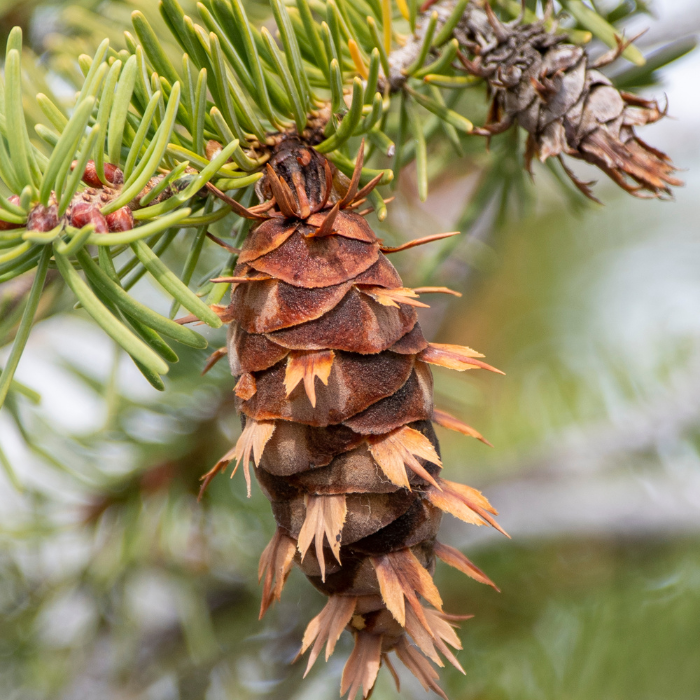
(350,463)
(553,91)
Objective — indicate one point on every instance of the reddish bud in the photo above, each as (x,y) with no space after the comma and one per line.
(42,218)
(90,175)
(120,220)
(6,225)
(113,174)
(84,213)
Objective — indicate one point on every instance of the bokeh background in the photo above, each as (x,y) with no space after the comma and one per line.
(115,584)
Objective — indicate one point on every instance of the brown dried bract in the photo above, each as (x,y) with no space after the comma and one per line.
(306,366)
(400,577)
(217,355)
(420,241)
(325,516)
(252,441)
(362,666)
(454,558)
(432,638)
(246,387)
(457,357)
(275,564)
(464,503)
(394,297)
(397,450)
(419,666)
(327,627)
(447,420)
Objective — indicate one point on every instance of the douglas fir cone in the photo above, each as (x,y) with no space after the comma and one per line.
(336,397)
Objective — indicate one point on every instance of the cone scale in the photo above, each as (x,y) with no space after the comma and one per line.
(335,393)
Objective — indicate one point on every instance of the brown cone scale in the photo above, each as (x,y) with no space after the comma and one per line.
(337,408)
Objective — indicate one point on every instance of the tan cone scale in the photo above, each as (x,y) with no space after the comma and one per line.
(336,397)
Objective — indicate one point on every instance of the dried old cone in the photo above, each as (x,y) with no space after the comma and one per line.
(335,392)
(554,91)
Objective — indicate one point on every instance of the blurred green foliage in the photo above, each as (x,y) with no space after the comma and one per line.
(584,618)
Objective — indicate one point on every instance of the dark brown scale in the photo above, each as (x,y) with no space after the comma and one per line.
(356,576)
(249,352)
(419,523)
(268,306)
(412,402)
(295,447)
(356,324)
(356,382)
(412,343)
(347,224)
(340,579)
(367,513)
(265,238)
(317,262)
(351,472)
(381,274)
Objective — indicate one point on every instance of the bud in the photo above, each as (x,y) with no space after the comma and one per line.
(7,225)
(43,218)
(84,213)
(120,220)
(113,174)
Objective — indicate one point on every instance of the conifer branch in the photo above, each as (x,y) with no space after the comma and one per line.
(127,164)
